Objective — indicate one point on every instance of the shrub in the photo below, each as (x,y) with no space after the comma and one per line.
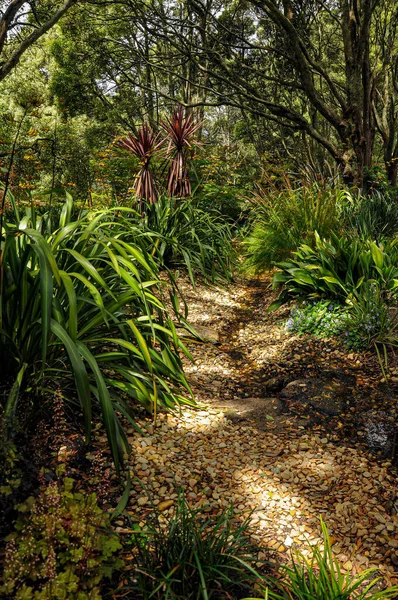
(374,217)
(283,220)
(362,322)
(224,199)
(183,235)
(62,546)
(337,270)
(80,310)
(322,319)
(319,577)
(192,555)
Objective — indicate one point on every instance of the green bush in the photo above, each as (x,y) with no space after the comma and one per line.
(80,310)
(360,276)
(374,217)
(322,319)
(283,220)
(225,199)
(319,577)
(338,270)
(358,324)
(182,235)
(62,546)
(192,555)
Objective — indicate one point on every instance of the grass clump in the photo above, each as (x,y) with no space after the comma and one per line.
(320,577)
(81,310)
(192,555)
(181,235)
(282,220)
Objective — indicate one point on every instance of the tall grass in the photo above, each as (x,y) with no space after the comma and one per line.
(80,309)
(320,577)
(184,236)
(284,219)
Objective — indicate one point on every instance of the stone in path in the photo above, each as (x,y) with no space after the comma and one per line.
(325,393)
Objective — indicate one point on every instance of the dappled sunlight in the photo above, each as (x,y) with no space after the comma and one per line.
(230,451)
(287,485)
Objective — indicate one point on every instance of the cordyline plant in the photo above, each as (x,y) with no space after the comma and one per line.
(143,145)
(180,130)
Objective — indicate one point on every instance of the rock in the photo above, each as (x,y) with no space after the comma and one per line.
(207,334)
(325,393)
(143,500)
(379,430)
(165,505)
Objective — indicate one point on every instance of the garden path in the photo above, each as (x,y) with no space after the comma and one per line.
(291,451)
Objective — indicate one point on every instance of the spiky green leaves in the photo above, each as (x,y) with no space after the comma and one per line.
(81,310)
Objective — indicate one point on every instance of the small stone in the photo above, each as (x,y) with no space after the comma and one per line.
(142,501)
(288,541)
(165,505)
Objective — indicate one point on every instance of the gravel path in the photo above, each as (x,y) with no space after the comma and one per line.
(244,446)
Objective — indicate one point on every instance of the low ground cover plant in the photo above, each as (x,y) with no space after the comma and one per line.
(62,546)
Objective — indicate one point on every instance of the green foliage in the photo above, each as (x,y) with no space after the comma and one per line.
(317,318)
(362,276)
(376,182)
(192,555)
(319,577)
(10,472)
(181,234)
(374,217)
(358,324)
(80,309)
(338,270)
(283,220)
(62,546)
(225,199)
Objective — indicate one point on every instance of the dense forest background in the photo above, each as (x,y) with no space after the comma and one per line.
(280,86)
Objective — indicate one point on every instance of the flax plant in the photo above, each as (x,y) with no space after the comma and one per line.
(80,308)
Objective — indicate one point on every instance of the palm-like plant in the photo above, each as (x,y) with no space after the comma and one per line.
(180,129)
(80,309)
(143,145)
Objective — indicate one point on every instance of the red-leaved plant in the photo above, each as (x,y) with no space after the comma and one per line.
(180,129)
(143,145)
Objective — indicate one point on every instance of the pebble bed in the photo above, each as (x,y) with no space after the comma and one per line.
(288,477)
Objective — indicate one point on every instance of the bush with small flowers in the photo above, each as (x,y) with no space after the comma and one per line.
(62,546)
(361,321)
